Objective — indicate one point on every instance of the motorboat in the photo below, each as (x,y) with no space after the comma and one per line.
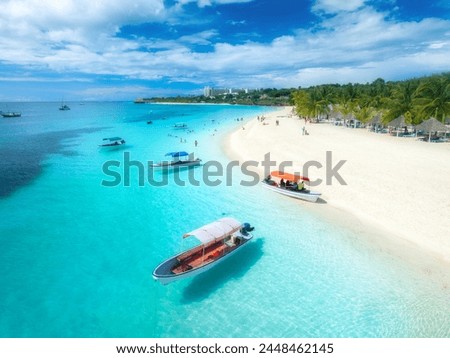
(64,107)
(179,160)
(11,114)
(276,182)
(180,126)
(112,142)
(218,241)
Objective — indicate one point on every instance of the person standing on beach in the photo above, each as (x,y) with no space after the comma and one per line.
(303,130)
(196,142)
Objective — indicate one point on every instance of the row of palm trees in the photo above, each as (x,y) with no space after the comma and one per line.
(416,99)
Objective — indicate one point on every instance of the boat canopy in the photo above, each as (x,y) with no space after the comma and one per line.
(177,154)
(288,176)
(113,138)
(216,230)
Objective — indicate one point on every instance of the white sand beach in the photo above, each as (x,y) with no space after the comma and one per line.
(397,190)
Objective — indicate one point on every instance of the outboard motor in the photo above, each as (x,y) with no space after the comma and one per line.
(246,227)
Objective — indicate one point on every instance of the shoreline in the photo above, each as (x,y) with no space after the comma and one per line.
(417,235)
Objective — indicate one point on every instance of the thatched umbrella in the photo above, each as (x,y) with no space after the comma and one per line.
(398,122)
(376,121)
(432,125)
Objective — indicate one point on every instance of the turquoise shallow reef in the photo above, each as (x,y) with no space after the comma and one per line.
(76,256)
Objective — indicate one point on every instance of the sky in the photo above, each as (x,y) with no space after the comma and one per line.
(120,50)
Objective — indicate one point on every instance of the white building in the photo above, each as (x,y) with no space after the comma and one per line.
(207,91)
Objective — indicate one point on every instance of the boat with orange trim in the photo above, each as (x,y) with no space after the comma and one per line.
(218,241)
(277,180)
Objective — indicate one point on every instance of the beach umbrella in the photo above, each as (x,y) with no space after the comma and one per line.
(398,122)
(432,125)
(375,121)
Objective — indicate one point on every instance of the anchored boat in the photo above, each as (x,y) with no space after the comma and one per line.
(219,240)
(112,142)
(179,160)
(290,185)
(11,114)
(180,126)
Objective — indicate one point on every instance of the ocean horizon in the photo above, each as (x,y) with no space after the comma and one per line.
(77,257)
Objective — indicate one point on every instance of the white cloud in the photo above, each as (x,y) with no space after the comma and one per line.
(203,3)
(361,45)
(200,38)
(67,14)
(334,6)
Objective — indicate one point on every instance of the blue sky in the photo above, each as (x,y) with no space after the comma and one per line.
(115,49)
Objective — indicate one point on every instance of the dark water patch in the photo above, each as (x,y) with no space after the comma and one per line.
(21,158)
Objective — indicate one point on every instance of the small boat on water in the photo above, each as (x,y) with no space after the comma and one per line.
(295,186)
(179,160)
(112,142)
(180,126)
(11,114)
(219,240)
(64,107)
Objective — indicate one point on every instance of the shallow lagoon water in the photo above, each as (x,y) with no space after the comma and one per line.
(76,257)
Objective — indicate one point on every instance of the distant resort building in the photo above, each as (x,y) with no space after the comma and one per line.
(213,92)
(207,91)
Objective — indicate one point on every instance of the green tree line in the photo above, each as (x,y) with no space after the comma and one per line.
(416,99)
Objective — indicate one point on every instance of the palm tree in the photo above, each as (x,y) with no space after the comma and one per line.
(301,100)
(348,99)
(365,113)
(401,100)
(432,98)
(314,102)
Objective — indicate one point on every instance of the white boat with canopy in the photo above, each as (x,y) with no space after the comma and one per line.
(290,185)
(218,241)
(179,160)
(112,142)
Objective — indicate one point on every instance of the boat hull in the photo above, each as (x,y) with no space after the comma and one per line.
(111,145)
(11,114)
(163,273)
(311,196)
(170,166)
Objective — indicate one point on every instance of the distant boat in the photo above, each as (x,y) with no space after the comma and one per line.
(179,160)
(180,126)
(11,114)
(64,107)
(219,240)
(112,142)
(290,190)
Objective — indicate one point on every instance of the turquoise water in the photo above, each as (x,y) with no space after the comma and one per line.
(76,257)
